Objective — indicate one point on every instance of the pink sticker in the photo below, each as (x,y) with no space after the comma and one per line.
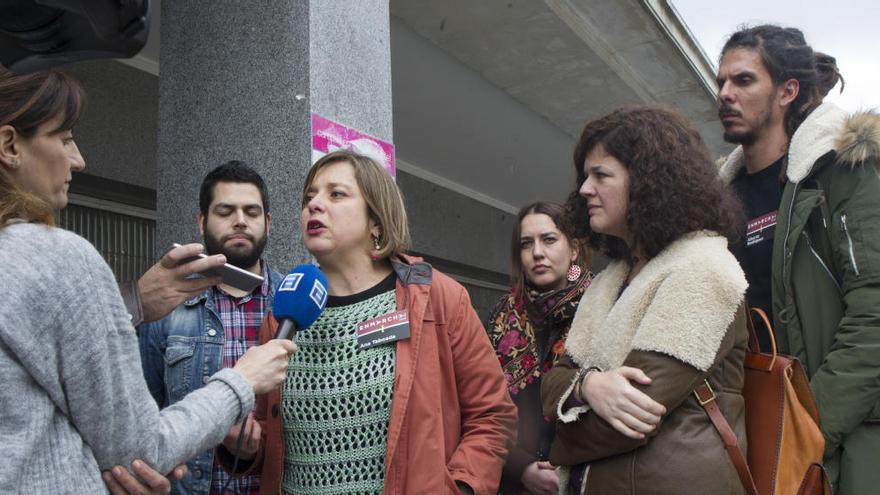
(330,136)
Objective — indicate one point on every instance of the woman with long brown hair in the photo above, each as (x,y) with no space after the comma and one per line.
(528,327)
(73,401)
(664,317)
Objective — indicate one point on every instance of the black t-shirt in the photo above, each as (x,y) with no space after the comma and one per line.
(760,194)
(388,283)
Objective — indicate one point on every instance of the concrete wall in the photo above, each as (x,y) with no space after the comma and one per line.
(117,133)
(456,228)
(350,64)
(230,78)
(462,237)
(451,121)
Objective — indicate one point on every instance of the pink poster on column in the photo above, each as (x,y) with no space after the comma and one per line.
(329,136)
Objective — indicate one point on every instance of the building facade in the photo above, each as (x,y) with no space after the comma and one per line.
(482,100)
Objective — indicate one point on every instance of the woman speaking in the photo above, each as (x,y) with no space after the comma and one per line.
(427,410)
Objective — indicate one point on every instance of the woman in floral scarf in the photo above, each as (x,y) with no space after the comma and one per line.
(528,327)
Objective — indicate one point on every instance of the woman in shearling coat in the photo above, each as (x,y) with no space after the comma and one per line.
(663,317)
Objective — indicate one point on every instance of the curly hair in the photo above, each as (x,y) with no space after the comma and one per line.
(674,187)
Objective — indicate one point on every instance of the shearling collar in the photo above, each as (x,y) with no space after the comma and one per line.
(855,138)
(680,304)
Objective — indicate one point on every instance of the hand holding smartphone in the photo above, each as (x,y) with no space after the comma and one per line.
(232,275)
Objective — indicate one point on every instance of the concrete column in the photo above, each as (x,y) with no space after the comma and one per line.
(240,79)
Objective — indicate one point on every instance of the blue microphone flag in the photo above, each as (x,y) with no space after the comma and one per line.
(300,297)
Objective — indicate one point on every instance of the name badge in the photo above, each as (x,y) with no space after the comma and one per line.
(384,329)
(761,229)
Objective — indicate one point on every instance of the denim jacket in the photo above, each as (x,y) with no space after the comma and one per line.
(178,354)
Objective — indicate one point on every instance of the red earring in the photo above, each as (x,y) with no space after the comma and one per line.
(574,272)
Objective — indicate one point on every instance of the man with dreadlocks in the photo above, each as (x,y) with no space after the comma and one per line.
(807,175)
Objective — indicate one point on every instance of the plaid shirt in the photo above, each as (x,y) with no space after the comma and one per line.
(241,318)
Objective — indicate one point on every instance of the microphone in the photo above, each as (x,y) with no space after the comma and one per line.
(299,300)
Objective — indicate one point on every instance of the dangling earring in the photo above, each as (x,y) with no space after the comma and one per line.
(574,272)
(376,247)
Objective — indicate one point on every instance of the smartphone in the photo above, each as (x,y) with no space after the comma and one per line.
(232,275)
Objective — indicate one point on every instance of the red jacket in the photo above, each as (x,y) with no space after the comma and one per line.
(451,416)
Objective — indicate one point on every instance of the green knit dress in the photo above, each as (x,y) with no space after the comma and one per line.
(336,401)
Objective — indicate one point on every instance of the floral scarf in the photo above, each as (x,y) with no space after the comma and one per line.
(522,328)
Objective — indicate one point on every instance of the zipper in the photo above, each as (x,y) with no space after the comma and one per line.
(823,207)
(852,253)
(822,204)
(819,259)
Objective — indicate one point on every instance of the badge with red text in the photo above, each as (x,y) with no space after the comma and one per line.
(760,229)
(384,329)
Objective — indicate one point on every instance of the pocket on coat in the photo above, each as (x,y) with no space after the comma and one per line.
(859,244)
(874,417)
(178,368)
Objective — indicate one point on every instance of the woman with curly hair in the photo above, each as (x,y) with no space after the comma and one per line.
(528,327)
(663,318)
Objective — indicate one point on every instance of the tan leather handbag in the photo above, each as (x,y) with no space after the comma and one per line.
(785,445)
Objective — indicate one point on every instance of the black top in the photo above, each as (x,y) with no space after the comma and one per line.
(388,283)
(760,193)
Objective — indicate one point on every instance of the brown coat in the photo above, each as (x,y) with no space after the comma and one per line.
(680,321)
(451,416)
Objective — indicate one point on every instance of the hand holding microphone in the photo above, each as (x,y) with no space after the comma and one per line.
(299,300)
(265,366)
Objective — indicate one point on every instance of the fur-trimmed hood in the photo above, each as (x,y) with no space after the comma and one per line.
(680,304)
(855,138)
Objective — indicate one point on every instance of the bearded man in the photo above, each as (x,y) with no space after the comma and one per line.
(807,173)
(211,330)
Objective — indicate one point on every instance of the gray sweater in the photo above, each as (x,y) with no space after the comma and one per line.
(73,401)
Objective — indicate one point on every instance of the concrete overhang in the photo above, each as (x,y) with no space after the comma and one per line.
(489,96)
(562,61)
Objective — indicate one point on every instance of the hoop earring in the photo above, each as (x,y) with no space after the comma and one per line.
(574,272)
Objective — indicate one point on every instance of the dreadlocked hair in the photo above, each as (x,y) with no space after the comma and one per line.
(786,55)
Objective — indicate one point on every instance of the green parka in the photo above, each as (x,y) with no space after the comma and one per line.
(826,279)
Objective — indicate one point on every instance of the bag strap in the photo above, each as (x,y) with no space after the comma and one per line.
(753,332)
(706,397)
(759,359)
